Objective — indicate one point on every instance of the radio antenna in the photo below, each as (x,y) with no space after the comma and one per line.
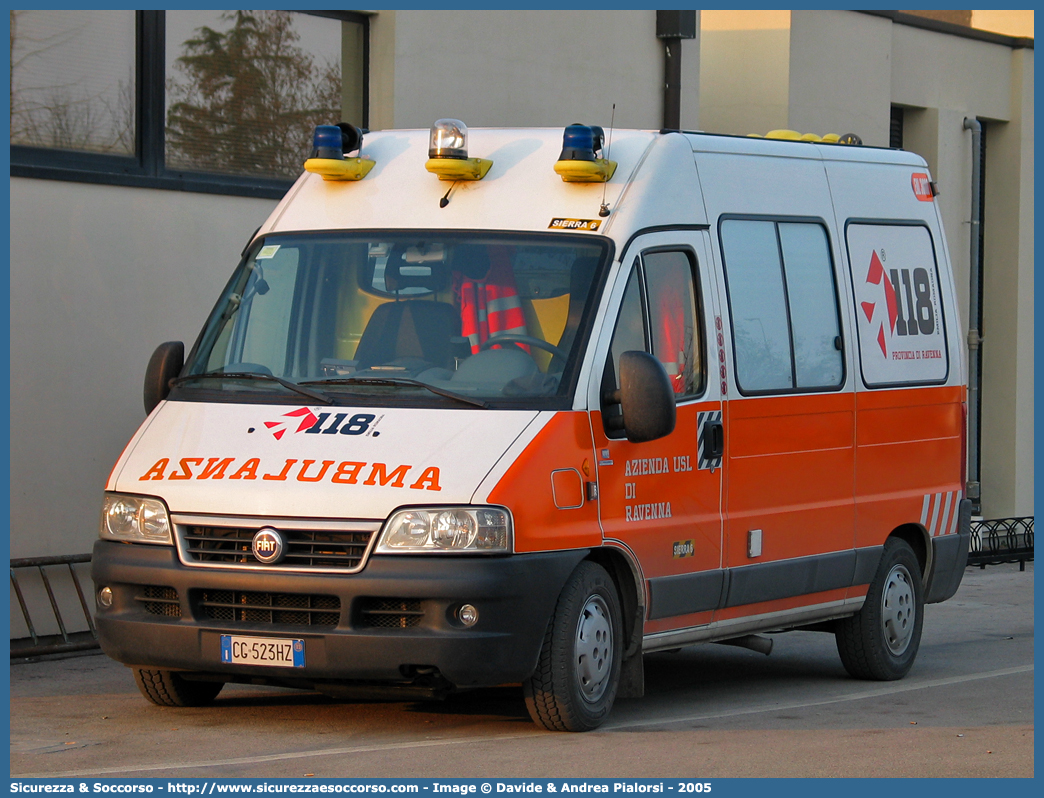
(604,210)
(445,197)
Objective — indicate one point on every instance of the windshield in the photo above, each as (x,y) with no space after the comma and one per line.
(434,319)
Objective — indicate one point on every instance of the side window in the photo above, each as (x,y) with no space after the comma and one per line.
(267,300)
(673,320)
(902,337)
(630,326)
(759,313)
(256,330)
(659,314)
(784,307)
(813,305)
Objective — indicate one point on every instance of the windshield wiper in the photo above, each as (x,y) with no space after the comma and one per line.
(399,381)
(253,375)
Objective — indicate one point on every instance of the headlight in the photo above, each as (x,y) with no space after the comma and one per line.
(446,530)
(135,518)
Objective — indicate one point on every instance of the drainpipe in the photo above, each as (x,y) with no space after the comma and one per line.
(974,357)
(672,84)
(672,27)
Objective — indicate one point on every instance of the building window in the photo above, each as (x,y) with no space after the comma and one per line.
(72,80)
(245,89)
(895,128)
(220,102)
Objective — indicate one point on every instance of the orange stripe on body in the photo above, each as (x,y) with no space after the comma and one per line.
(908,446)
(564,442)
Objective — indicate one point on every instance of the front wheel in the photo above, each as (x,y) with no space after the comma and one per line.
(170,689)
(881,640)
(577,675)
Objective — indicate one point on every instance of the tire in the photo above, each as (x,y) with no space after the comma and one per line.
(880,642)
(169,689)
(578,673)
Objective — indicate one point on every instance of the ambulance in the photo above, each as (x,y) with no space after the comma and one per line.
(491,406)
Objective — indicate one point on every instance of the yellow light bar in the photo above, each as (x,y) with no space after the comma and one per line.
(598,171)
(348,169)
(458,168)
(793,135)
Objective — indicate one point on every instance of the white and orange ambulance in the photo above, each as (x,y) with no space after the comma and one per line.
(509,406)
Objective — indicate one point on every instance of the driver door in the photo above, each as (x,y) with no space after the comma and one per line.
(662,499)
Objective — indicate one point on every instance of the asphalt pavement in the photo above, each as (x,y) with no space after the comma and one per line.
(710,711)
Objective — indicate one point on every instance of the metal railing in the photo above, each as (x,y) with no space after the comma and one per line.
(65,640)
(1001,540)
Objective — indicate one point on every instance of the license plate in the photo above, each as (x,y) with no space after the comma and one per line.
(278,653)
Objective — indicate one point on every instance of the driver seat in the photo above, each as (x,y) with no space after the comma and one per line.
(415,329)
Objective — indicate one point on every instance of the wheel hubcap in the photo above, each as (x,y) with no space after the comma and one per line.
(898,614)
(594,649)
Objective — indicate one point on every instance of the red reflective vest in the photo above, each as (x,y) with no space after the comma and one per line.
(492,305)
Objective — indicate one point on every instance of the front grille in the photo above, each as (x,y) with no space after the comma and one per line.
(307,549)
(289,609)
(385,613)
(160,601)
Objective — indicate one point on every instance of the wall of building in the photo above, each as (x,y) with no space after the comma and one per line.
(1010,23)
(100,275)
(744,71)
(1007,347)
(844,71)
(524,69)
(941,80)
(935,70)
(840,74)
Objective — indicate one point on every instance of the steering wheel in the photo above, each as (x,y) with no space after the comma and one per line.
(511,338)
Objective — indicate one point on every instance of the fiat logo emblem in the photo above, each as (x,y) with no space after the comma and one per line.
(268,546)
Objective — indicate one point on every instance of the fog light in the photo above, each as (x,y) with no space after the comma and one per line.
(105,597)
(468,614)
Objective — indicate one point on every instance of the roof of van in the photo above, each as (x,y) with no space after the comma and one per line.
(756,145)
(655,183)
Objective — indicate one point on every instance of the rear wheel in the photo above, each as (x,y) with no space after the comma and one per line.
(170,689)
(881,641)
(575,682)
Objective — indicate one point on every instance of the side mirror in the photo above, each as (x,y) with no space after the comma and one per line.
(646,397)
(164,365)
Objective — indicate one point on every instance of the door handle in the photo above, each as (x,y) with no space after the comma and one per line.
(717,439)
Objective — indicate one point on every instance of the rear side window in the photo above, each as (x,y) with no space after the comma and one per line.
(902,337)
(783,304)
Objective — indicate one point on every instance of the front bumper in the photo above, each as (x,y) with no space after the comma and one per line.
(515,596)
